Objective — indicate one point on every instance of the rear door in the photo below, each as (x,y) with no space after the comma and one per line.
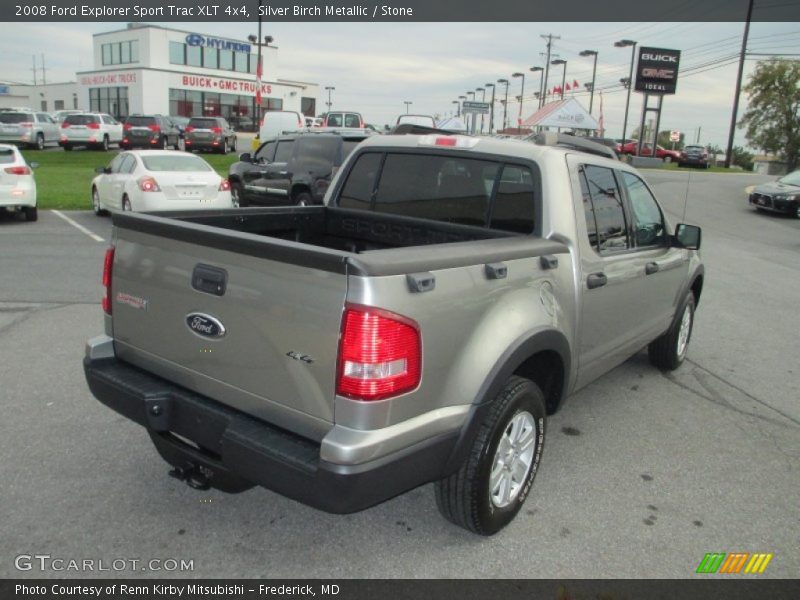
(253,333)
(275,180)
(254,189)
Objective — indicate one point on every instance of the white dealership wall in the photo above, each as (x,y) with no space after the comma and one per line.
(40,97)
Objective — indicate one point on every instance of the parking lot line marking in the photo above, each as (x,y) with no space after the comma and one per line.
(79,227)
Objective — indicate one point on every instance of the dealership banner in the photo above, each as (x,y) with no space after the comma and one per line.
(737,588)
(395,10)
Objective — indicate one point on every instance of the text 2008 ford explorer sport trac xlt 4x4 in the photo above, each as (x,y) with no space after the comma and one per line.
(418,327)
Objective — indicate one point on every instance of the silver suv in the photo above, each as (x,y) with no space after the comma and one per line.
(33,129)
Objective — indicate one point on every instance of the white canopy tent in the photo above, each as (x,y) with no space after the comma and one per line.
(567,114)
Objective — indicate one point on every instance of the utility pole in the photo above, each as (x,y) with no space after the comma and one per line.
(731,133)
(44,76)
(34,69)
(549,37)
(699,129)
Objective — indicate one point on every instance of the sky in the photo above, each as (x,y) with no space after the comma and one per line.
(375,67)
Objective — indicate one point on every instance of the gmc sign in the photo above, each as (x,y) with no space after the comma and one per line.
(657,70)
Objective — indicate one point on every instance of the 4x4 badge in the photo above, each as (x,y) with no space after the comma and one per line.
(205,325)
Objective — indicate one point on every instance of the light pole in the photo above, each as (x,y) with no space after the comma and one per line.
(521,98)
(259,65)
(624,44)
(329,88)
(458,107)
(407,103)
(483,99)
(462,98)
(538,94)
(561,61)
(491,110)
(505,102)
(594,74)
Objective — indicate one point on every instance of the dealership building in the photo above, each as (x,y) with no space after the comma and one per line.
(150,69)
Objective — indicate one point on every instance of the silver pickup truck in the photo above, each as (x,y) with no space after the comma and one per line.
(418,327)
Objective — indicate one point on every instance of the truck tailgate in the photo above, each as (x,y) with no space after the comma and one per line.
(275,359)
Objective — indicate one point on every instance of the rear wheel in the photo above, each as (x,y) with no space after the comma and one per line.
(302,199)
(236,195)
(39,143)
(67,147)
(487,492)
(667,159)
(668,351)
(105,143)
(31,213)
(98,210)
(126,203)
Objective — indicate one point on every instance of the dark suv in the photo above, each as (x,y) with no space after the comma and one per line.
(291,169)
(150,131)
(210,133)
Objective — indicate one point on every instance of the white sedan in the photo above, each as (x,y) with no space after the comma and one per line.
(17,186)
(154,180)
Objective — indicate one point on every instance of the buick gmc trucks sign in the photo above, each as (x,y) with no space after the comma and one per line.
(657,70)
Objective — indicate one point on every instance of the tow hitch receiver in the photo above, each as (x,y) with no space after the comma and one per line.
(192,475)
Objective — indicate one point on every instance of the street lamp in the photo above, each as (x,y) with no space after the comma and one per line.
(462,98)
(329,88)
(594,74)
(561,61)
(505,102)
(538,94)
(407,103)
(624,44)
(458,107)
(483,99)
(521,98)
(256,39)
(491,110)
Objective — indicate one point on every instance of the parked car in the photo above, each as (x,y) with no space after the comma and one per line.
(276,122)
(632,148)
(423,120)
(419,327)
(33,129)
(343,119)
(292,169)
(154,180)
(781,196)
(17,184)
(150,131)
(60,115)
(212,134)
(92,130)
(694,155)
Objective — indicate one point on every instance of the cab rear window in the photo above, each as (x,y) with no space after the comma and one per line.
(452,189)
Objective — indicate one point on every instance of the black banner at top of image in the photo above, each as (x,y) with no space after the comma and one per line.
(398,10)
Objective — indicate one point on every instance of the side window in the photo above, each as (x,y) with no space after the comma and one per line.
(647,219)
(117,162)
(284,151)
(42,118)
(266,152)
(609,227)
(127,164)
(357,190)
(514,203)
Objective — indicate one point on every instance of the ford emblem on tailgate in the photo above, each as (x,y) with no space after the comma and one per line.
(205,325)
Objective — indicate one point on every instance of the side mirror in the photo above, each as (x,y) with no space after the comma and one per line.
(34,165)
(103,170)
(688,236)
(246,157)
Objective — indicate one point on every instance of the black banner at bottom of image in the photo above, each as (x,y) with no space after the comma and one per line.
(400,589)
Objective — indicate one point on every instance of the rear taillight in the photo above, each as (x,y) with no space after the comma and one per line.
(224,186)
(93,125)
(64,125)
(18,170)
(148,184)
(26,124)
(216,129)
(108,266)
(189,129)
(380,354)
(127,127)
(154,128)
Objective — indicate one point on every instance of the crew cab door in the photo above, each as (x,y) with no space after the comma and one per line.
(253,189)
(277,178)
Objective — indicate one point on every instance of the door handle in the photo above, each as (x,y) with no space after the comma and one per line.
(283,172)
(651,268)
(596,280)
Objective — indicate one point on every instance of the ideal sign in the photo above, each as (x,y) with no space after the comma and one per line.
(657,70)
(195,39)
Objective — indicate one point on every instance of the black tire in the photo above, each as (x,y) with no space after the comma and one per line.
(223,149)
(39,143)
(31,213)
(303,199)
(465,498)
(236,195)
(105,144)
(98,211)
(668,351)
(796,211)
(165,143)
(67,147)
(126,203)
(233,144)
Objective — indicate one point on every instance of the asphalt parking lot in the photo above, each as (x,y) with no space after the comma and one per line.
(643,473)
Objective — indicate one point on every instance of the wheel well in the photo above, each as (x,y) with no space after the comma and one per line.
(697,288)
(545,369)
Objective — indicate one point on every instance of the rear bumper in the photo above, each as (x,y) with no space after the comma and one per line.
(237,451)
(204,144)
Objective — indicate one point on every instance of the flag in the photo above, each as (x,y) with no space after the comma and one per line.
(259,74)
(568,88)
(600,120)
(575,83)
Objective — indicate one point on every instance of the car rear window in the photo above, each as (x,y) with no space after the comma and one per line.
(203,123)
(316,152)
(352,120)
(7,156)
(454,189)
(694,148)
(140,121)
(81,119)
(349,146)
(175,162)
(15,117)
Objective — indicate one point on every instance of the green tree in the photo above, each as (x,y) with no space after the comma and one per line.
(772,118)
(743,158)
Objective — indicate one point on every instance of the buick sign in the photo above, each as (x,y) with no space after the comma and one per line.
(205,325)
(657,70)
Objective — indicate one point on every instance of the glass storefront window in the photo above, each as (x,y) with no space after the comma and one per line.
(176,55)
(194,56)
(135,51)
(226,60)
(125,52)
(106,54)
(211,58)
(241,61)
(115,50)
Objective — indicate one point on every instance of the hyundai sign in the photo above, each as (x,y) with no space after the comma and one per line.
(195,39)
(657,70)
